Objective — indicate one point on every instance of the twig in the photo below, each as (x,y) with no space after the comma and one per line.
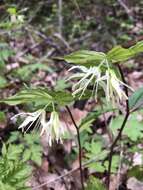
(80,149)
(46,40)
(61,38)
(120,131)
(81,39)
(127,10)
(78,8)
(60,16)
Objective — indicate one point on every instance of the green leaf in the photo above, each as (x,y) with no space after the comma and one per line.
(136,172)
(3,82)
(33,149)
(96,166)
(39,96)
(12,11)
(119,53)
(14,136)
(133,128)
(95,184)
(95,149)
(5,52)
(136,99)
(86,58)
(3,118)
(36,155)
(14,151)
(138,48)
(61,85)
(62,97)
(29,95)
(14,172)
(4,150)
(86,125)
(30,139)
(4,186)
(92,58)
(26,155)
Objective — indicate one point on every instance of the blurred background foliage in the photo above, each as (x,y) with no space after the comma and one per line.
(33,34)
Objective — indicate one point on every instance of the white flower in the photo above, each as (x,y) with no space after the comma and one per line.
(114,87)
(86,76)
(53,128)
(103,78)
(31,118)
(20,18)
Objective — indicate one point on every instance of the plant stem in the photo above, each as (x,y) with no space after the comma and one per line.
(120,131)
(80,148)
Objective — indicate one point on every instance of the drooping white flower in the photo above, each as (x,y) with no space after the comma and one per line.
(31,118)
(86,76)
(53,128)
(103,78)
(20,18)
(115,86)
